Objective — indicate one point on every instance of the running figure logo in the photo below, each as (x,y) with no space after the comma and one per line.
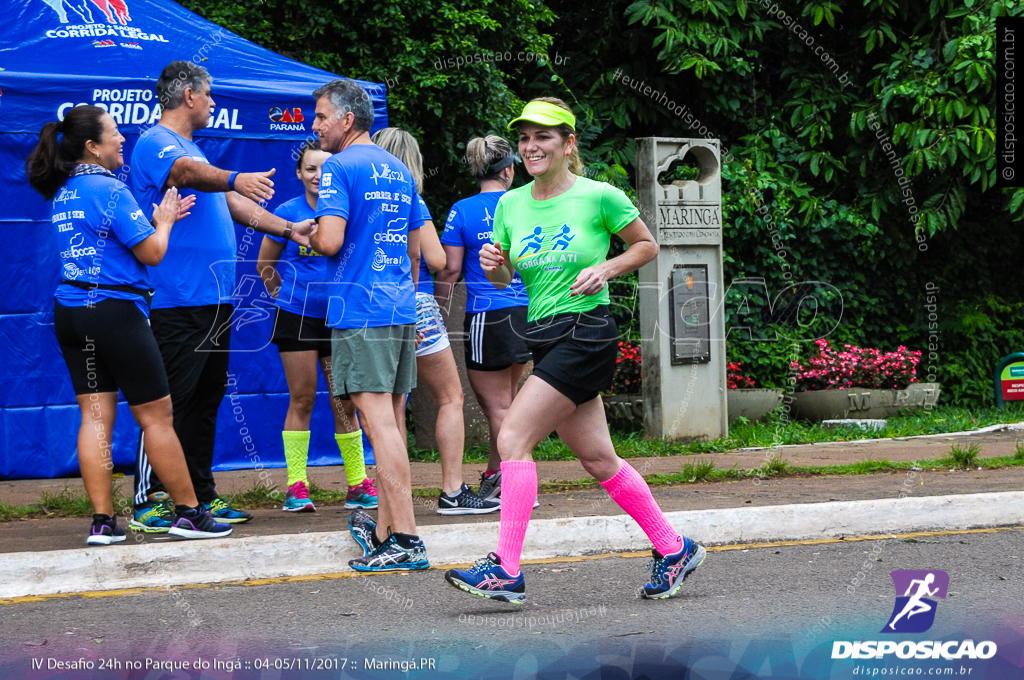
(535,241)
(562,238)
(914,612)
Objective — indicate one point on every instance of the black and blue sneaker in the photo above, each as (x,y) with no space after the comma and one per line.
(196,523)
(104,531)
(669,571)
(153,517)
(487,578)
(391,555)
(361,525)
(222,511)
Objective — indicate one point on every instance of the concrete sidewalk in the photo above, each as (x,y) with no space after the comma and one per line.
(40,535)
(428,475)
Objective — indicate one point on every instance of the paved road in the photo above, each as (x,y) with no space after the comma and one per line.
(759,607)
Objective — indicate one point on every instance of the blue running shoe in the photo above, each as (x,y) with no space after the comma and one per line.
(222,512)
(391,556)
(297,499)
(104,531)
(487,578)
(362,495)
(152,518)
(362,526)
(668,572)
(197,523)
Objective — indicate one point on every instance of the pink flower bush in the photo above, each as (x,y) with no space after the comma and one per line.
(856,367)
(735,380)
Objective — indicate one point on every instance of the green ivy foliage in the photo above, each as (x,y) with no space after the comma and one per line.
(399,43)
(824,106)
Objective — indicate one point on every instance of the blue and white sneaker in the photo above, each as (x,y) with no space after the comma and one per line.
(152,518)
(197,523)
(668,572)
(104,531)
(221,511)
(361,525)
(391,556)
(487,578)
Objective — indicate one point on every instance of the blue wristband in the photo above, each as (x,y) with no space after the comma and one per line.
(231,180)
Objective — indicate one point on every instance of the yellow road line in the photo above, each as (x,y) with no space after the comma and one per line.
(553,560)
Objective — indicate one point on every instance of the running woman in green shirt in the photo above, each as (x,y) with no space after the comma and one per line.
(556,232)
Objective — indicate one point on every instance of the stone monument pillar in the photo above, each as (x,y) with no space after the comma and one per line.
(681,293)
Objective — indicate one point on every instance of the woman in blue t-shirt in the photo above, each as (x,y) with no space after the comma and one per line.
(495,323)
(295,275)
(435,363)
(101,310)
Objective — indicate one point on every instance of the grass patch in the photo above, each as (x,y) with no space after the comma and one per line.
(866,467)
(963,457)
(68,503)
(260,495)
(323,496)
(772,432)
(698,469)
(8,512)
(775,466)
(1018,450)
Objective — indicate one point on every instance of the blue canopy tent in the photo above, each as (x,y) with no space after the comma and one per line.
(56,54)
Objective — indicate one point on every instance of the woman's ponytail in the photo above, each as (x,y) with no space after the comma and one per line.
(55,157)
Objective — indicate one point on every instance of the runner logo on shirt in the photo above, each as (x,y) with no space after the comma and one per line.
(487,217)
(386,173)
(550,248)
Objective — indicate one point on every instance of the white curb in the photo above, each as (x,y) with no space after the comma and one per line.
(213,561)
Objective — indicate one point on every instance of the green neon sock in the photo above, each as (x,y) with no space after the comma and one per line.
(351,446)
(296,453)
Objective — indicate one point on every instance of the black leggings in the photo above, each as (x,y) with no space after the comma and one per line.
(110,346)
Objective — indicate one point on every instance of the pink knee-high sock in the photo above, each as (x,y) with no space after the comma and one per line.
(518,493)
(630,491)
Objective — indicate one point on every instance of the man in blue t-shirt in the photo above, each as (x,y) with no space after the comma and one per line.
(368,214)
(192,306)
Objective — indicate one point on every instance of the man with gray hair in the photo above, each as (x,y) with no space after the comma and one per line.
(192,306)
(369,217)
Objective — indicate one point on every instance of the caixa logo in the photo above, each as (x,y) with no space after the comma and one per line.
(914,612)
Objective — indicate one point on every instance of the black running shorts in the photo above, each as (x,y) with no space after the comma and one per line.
(296,333)
(496,339)
(575,353)
(110,346)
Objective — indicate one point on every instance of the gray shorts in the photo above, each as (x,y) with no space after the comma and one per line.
(381,359)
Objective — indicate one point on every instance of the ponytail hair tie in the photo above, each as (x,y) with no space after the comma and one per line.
(60,126)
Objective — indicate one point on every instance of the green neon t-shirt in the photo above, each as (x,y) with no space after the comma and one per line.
(551,242)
